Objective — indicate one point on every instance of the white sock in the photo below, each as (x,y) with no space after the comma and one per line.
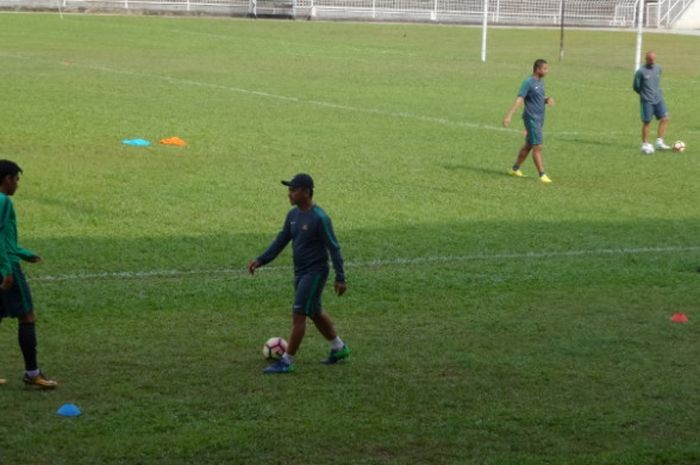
(33,373)
(288,358)
(337,343)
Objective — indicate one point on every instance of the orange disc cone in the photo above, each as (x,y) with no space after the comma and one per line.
(679,317)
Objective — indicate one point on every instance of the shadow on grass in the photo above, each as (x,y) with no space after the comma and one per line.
(476,169)
(66,256)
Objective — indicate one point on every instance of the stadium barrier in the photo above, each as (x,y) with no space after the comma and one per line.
(584,13)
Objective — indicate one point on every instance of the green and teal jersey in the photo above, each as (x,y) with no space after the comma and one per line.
(313,240)
(647,83)
(10,251)
(532,92)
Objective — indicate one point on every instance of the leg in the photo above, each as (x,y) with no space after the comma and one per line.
(324,324)
(297,335)
(26,335)
(645,132)
(663,124)
(537,158)
(522,154)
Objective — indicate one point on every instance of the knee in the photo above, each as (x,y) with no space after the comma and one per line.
(28,319)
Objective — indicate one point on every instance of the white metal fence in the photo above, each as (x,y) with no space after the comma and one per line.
(595,13)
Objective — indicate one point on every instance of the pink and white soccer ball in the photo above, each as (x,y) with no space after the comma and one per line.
(679,146)
(274,348)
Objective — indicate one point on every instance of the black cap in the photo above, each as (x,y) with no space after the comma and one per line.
(300,180)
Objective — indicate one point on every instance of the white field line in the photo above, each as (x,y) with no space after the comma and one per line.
(320,103)
(445,259)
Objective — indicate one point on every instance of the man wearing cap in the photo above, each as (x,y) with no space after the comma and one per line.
(310,230)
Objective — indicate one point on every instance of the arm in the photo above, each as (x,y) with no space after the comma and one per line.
(331,243)
(509,116)
(637,83)
(27,255)
(280,242)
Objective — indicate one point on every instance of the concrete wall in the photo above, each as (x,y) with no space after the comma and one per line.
(690,19)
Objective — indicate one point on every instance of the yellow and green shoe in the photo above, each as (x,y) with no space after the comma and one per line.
(39,381)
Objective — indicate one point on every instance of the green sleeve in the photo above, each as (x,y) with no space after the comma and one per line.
(25,254)
(5,264)
(524,88)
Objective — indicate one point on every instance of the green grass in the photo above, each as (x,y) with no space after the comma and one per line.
(465,349)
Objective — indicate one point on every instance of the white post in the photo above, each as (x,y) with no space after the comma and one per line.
(640,27)
(498,11)
(188,5)
(433,14)
(374,9)
(126,4)
(483,30)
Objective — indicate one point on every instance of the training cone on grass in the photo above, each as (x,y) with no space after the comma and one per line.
(174,141)
(136,142)
(679,317)
(68,410)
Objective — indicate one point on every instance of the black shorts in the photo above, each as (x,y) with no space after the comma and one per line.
(308,288)
(17,300)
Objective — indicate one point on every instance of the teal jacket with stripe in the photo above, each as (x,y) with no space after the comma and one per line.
(312,239)
(10,252)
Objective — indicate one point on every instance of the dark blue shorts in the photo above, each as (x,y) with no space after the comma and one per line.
(534,134)
(309,287)
(17,300)
(649,110)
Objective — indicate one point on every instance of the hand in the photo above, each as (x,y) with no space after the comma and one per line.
(253,265)
(550,101)
(340,288)
(7,282)
(36,259)
(506,121)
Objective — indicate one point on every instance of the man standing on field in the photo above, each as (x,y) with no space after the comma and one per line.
(647,83)
(533,96)
(310,230)
(15,298)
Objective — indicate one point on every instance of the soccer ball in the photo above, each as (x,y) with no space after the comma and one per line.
(274,348)
(679,146)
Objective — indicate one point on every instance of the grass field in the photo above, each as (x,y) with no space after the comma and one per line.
(492,320)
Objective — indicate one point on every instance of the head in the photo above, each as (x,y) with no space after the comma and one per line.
(301,189)
(650,58)
(9,176)
(540,68)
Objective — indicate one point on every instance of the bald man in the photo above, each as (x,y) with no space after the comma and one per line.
(647,83)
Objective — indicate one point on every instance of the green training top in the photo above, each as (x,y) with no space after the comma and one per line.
(10,251)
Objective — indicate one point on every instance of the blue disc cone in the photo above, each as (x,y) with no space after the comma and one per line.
(68,410)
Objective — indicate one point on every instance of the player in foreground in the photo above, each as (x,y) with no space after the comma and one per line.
(647,83)
(15,297)
(533,96)
(312,236)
